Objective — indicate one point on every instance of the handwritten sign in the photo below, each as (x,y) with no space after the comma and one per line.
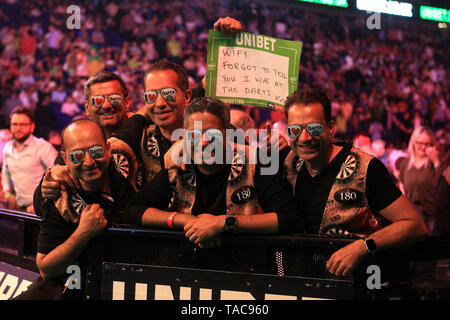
(252,69)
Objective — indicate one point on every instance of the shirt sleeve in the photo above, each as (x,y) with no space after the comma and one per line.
(155,194)
(48,154)
(275,195)
(6,178)
(380,187)
(130,132)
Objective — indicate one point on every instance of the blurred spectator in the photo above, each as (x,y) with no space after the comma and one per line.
(69,107)
(29,97)
(5,136)
(59,94)
(11,102)
(28,46)
(54,39)
(363,142)
(54,137)
(25,159)
(417,173)
(376,130)
(378,149)
(46,118)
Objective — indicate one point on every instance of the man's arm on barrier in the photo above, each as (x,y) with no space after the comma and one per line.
(207,226)
(149,207)
(406,227)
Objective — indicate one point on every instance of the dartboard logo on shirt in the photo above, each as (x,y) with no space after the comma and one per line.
(152,146)
(122,163)
(237,169)
(77,204)
(349,168)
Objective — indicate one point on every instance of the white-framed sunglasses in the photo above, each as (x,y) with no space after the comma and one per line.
(314,129)
(96,152)
(98,100)
(168,94)
(195,135)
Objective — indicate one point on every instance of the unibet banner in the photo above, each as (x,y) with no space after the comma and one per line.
(252,69)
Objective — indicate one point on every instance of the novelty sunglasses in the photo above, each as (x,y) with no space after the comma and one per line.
(194,135)
(294,130)
(169,94)
(114,99)
(96,152)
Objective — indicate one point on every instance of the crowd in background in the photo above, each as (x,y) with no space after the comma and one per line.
(382,83)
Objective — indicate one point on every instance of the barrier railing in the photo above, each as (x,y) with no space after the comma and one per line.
(129,262)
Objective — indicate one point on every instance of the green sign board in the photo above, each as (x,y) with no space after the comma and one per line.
(336,3)
(436,14)
(252,69)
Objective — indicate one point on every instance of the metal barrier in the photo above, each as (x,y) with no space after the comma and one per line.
(128,262)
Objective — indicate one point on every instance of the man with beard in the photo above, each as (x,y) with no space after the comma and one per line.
(25,159)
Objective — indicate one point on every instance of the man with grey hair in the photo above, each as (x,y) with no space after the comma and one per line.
(107,103)
(212,197)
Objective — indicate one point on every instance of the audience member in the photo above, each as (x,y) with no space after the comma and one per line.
(71,221)
(216,196)
(25,160)
(341,190)
(417,172)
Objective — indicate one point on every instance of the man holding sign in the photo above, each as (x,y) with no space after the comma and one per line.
(166,95)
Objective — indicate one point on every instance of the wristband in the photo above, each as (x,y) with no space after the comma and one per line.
(170,220)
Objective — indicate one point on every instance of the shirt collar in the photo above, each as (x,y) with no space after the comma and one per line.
(27,142)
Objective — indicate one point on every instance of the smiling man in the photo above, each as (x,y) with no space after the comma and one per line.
(107,101)
(341,190)
(144,139)
(71,221)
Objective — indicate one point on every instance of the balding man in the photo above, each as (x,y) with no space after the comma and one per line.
(72,220)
